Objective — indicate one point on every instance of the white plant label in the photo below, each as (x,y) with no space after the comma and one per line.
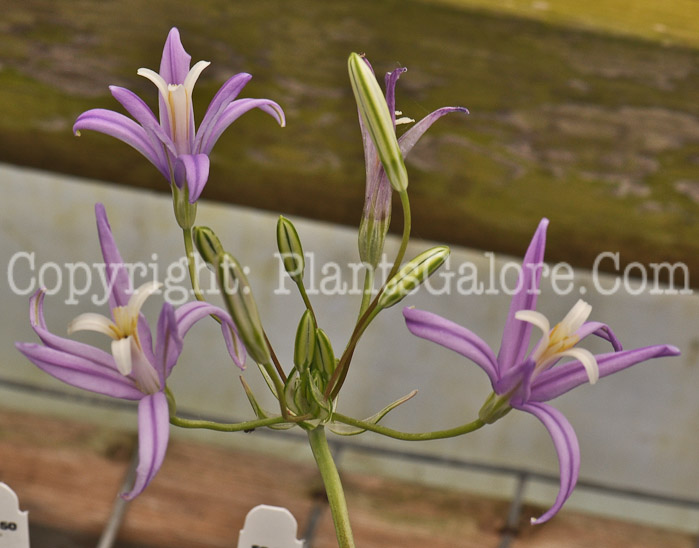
(14,524)
(269,527)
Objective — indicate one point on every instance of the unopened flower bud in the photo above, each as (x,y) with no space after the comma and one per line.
(412,275)
(208,245)
(290,249)
(324,360)
(377,119)
(242,308)
(305,345)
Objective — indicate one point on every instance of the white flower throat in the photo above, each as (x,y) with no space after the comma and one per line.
(127,351)
(560,341)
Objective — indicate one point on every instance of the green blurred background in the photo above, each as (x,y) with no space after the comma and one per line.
(587,113)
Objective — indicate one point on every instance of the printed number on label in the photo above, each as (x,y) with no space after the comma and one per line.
(8,526)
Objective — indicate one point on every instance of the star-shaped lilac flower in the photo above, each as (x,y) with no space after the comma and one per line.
(525,380)
(133,370)
(171,144)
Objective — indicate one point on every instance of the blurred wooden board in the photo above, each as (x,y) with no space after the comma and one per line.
(67,475)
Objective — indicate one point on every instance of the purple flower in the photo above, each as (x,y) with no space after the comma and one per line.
(133,370)
(525,380)
(377,202)
(172,145)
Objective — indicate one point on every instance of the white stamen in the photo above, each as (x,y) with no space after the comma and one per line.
(154,77)
(91,321)
(121,350)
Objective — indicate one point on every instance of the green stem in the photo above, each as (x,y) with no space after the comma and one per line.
(189,251)
(407,222)
(333,486)
(226,427)
(366,293)
(408,436)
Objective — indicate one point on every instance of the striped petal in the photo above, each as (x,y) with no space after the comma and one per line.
(194,170)
(153,435)
(566,444)
(206,139)
(123,128)
(515,337)
(117,277)
(452,336)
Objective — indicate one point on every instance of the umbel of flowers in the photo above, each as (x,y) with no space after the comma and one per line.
(139,360)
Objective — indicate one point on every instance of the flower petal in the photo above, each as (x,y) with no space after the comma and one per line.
(566,444)
(409,138)
(174,64)
(168,344)
(81,350)
(188,314)
(207,139)
(123,128)
(135,106)
(153,435)
(600,329)
(224,96)
(559,380)
(390,82)
(515,337)
(452,336)
(80,372)
(117,277)
(194,169)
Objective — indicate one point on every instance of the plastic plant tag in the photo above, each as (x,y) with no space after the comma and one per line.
(14,524)
(269,527)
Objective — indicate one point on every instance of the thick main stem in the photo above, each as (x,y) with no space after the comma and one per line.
(333,486)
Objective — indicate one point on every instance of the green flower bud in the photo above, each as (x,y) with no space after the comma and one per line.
(305,345)
(208,244)
(290,249)
(324,360)
(242,308)
(412,275)
(377,119)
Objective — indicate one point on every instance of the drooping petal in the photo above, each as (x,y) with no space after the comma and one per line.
(153,435)
(80,372)
(452,336)
(601,330)
(188,314)
(117,277)
(206,140)
(515,338)
(224,96)
(559,380)
(409,138)
(81,350)
(123,128)
(566,444)
(194,169)
(174,64)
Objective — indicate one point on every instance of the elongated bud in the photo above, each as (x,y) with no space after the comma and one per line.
(377,119)
(290,249)
(412,275)
(208,245)
(324,360)
(242,308)
(305,345)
